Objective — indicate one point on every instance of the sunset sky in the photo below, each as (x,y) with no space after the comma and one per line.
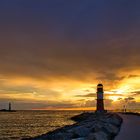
(53,53)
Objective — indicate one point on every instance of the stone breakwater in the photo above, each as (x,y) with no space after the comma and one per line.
(88,126)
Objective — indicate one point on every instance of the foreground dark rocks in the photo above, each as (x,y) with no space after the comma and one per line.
(89,126)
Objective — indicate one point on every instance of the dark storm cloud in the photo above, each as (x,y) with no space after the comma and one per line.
(69,38)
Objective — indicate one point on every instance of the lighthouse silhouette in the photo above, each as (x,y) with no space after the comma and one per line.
(100,98)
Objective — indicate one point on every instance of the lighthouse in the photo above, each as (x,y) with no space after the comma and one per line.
(100,98)
(9,107)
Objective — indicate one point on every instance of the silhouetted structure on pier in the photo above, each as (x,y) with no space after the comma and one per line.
(10,107)
(100,98)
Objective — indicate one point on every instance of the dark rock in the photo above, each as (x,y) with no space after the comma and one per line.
(98,136)
(112,129)
(79,139)
(81,131)
(89,126)
(83,117)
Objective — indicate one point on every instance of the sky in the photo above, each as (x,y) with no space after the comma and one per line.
(53,53)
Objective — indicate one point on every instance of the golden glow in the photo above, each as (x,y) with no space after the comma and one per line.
(65,90)
(74,108)
(114,98)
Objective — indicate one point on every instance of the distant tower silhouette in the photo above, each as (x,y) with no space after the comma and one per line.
(9,106)
(100,98)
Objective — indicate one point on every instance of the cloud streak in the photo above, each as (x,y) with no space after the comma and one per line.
(95,94)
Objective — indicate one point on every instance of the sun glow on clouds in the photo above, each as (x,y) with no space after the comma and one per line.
(114,98)
(130,84)
(64,90)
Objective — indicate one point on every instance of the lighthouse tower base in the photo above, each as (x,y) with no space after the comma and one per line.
(100,104)
(100,107)
(100,112)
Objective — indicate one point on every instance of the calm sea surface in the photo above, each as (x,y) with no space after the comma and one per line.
(23,124)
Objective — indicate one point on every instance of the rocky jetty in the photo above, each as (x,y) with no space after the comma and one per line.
(88,126)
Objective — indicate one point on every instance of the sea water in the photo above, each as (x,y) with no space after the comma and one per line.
(24,124)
